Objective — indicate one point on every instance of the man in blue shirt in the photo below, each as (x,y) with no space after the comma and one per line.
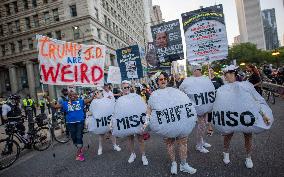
(74,108)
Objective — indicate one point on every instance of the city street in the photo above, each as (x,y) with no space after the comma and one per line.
(267,157)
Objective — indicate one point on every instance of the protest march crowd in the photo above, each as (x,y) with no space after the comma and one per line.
(228,105)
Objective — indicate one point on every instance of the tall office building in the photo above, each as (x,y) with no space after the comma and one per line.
(156,15)
(113,23)
(270,29)
(250,22)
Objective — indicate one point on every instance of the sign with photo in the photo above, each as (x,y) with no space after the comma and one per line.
(129,62)
(205,34)
(168,42)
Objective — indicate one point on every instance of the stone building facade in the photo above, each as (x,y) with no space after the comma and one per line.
(114,23)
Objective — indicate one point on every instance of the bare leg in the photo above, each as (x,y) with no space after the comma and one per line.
(227,140)
(201,130)
(131,143)
(182,149)
(171,148)
(248,143)
(141,144)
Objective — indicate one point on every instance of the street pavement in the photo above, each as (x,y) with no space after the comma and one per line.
(268,157)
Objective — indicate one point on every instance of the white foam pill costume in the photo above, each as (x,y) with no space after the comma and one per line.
(173,114)
(129,115)
(201,91)
(239,108)
(102,110)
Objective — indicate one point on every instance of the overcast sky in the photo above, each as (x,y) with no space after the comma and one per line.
(172,9)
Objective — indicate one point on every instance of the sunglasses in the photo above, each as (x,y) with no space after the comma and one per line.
(98,92)
(126,88)
(162,79)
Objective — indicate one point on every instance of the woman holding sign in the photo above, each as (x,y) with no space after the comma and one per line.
(74,109)
(102,109)
(239,108)
(172,116)
(128,119)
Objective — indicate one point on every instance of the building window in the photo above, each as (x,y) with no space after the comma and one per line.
(34,3)
(10,28)
(26,5)
(105,18)
(99,33)
(20,45)
(58,35)
(46,17)
(36,21)
(49,35)
(111,39)
(3,50)
(15,4)
(18,27)
(73,11)
(7,7)
(45,1)
(12,45)
(96,13)
(1,31)
(30,43)
(55,15)
(76,33)
(107,37)
(28,23)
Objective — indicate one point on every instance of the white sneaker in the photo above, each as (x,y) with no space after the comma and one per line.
(116,148)
(249,163)
(144,160)
(226,158)
(132,158)
(206,145)
(201,149)
(174,168)
(100,151)
(186,168)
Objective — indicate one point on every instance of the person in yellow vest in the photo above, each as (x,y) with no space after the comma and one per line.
(28,102)
(41,103)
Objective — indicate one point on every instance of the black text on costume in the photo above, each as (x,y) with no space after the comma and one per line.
(204,98)
(232,118)
(173,114)
(103,121)
(130,121)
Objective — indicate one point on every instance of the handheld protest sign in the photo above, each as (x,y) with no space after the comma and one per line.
(239,108)
(173,114)
(129,115)
(66,63)
(201,91)
(102,110)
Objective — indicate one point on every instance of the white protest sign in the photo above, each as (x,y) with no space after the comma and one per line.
(114,75)
(66,63)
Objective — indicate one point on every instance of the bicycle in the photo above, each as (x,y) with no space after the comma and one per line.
(10,149)
(58,128)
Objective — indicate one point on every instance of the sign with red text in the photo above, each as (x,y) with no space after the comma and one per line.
(66,63)
(205,34)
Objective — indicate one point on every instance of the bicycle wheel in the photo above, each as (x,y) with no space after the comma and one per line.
(42,139)
(9,152)
(61,134)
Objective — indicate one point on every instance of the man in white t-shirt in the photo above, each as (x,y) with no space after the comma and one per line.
(107,91)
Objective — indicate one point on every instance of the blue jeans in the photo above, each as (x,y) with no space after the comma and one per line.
(76,132)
